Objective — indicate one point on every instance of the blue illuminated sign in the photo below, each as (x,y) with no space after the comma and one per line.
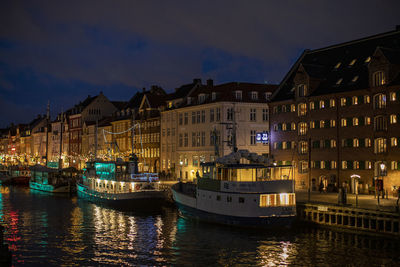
(262,138)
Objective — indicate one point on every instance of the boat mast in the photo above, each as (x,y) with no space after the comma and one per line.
(61,140)
(95,138)
(47,130)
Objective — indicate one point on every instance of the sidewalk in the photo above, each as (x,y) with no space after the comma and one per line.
(364,201)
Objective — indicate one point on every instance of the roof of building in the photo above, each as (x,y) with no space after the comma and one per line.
(226,92)
(342,67)
(119,104)
(183,90)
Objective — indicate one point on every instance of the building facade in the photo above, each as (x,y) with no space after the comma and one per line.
(200,128)
(335,116)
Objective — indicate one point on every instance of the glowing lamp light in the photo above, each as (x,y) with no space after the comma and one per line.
(382,166)
(122,183)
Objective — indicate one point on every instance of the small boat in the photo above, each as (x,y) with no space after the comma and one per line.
(239,189)
(20,175)
(118,183)
(52,180)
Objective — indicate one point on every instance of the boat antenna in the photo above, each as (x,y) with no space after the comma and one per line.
(95,140)
(61,140)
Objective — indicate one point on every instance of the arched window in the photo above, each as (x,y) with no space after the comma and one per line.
(378,78)
(302,109)
(302,128)
(379,101)
(302,90)
(380,123)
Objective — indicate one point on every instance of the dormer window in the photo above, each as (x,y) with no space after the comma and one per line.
(238,95)
(355,78)
(352,62)
(123,113)
(189,100)
(302,90)
(254,95)
(378,78)
(268,96)
(338,82)
(169,104)
(367,60)
(202,98)
(213,96)
(338,65)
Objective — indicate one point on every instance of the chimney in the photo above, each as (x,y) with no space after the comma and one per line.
(144,89)
(210,83)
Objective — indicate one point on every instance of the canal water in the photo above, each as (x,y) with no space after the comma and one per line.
(50,230)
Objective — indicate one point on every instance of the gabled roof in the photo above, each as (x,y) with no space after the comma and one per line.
(135,101)
(349,75)
(184,90)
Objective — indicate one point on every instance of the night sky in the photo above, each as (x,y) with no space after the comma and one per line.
(63,51)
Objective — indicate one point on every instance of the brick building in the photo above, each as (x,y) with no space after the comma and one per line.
(340,106)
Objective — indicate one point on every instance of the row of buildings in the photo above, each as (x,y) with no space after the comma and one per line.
(334,118)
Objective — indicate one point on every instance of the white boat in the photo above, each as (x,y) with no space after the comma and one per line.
(51,180)
(239,189)
(118,183)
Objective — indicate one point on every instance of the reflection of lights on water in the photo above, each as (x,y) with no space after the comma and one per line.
(275,254)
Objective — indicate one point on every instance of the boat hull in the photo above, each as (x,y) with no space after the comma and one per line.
(187,208)
(50,188)
(135,200)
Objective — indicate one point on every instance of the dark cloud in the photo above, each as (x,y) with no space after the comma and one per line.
(71,48)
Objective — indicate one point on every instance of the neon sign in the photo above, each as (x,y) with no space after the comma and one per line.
(262,137)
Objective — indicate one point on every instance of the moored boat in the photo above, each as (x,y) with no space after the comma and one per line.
(20,175)
(52,180)
(118,183)
(239,189)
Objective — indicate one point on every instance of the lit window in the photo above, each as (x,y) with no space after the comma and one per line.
(367,99)
(284,145)
(339,81)
(354,100)
(355,121)
(392,96)
(338,65)
(393,141)
(322,165)
(293,108)
(333,164)
(332,103)
(322,104)
(312,106)
(344,165)
(355,78)
(378,78)
(302,128)
(343,101)
(356,142)
(356,165)
(367,120)
(284,127)
(303,147)
(333,143)
(344,122)
(393,118)
(379,101)
(312,124)
(352,62)
(321,124)
(368,165)
(302,109)
(293,126)
(302,90)
(380,145)
(367,142)
(368,59)
(332,123)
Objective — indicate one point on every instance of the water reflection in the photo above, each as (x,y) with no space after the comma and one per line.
(49,230)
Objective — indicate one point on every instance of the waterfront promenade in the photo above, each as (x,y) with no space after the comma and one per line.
(364,201)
